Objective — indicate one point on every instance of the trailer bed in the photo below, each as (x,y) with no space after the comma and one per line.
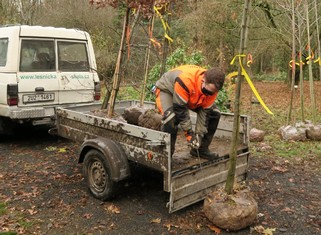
(188,179)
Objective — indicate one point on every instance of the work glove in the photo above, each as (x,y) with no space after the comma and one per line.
(192,139)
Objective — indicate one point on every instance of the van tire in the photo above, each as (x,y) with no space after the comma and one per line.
(97,175)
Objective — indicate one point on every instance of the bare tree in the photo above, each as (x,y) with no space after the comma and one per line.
(293,64)
(310,60)
(27,10)
(236,124)
(116,79)
(318,37)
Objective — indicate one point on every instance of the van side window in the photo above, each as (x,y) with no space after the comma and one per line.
(72,56)
(37,56)
(3,51)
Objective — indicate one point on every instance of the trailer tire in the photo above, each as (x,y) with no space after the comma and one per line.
(97,175)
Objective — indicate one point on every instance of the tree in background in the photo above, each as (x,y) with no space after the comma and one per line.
(19,11)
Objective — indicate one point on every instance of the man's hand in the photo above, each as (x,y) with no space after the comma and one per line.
(192,139)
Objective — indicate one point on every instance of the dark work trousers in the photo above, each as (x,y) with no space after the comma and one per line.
(164,102)
(212,119)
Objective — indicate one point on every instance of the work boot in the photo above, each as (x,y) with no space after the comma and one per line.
(204,153)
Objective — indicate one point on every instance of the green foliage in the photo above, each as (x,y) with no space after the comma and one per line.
(222,101)
(25,224)
(128,93)
(2,208)
(179,57)
(288,149)
(3,211)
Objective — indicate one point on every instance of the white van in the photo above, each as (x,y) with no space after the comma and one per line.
(42,68)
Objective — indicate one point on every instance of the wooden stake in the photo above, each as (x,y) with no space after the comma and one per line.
(116,80)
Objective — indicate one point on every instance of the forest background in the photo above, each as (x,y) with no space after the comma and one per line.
(204,32)
(284,175)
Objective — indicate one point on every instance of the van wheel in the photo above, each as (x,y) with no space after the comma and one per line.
(97,175)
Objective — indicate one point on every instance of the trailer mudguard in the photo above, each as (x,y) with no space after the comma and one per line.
(113,152)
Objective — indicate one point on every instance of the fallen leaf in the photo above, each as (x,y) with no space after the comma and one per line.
(32,212)
(112,225)
(87,216)
(260,215)
(214,229)
(156,221)
(50,149)
(279,169)
(114,209)
(62,150)
(287,209)
(261,230)
(269,231)
(169,226)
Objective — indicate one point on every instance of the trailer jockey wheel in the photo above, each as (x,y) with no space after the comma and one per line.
(97,175)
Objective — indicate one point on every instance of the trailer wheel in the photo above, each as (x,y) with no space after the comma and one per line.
(97,175)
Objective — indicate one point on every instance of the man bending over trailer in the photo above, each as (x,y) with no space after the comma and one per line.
(190,87)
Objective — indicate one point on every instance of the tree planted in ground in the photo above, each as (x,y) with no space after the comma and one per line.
(310,61)
(234,210)
(236,124)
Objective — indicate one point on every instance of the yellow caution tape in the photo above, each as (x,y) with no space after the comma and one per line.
(318,60)
(231,75)
(247,78)
(164,23)
(249,60)
(155,42)
(297,63)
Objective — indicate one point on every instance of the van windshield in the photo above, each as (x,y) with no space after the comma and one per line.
(3,51)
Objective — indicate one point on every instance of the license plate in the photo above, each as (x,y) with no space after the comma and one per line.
(33,98)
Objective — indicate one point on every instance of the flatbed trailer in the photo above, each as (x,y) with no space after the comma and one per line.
(108,145)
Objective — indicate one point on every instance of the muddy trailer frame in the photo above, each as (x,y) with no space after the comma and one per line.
(108,145)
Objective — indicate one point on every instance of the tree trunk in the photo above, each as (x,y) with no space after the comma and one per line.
(301,88)
(236,124)
(261,63)
(293,65)
(142,97)
(166,44)
(310,60)
(318,38)
(222,61)
(116,80)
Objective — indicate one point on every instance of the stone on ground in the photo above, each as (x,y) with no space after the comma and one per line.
(232,212)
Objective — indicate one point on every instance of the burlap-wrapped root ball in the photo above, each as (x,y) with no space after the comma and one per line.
(232,212)
(150,119)
(132,114)
(314,132)
(256,135)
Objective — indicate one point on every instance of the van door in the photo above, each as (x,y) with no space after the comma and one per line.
(76,79)
(37,77)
